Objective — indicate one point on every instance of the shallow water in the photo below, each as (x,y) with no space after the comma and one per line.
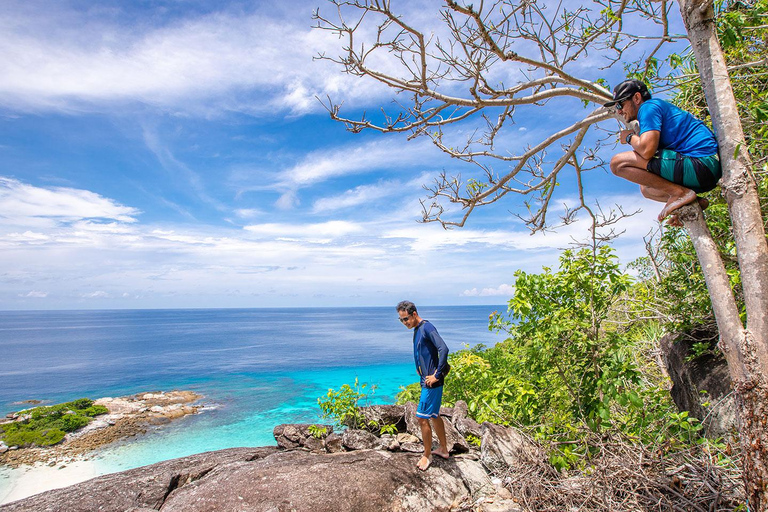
(256,368)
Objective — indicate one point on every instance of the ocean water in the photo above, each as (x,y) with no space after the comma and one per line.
(256,368)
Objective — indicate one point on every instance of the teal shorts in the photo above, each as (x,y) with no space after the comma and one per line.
(697,174)
(429,403)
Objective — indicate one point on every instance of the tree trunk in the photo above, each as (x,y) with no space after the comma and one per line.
(743,205)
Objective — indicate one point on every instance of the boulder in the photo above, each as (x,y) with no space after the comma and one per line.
(385,415)
(354,439)
(389,442)
(333,443)
(298,435)
(460,411)
(706,373)
(467,426)
(268,479)
(503,447)
(406,438)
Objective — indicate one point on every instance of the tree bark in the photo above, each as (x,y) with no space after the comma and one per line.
(749,367)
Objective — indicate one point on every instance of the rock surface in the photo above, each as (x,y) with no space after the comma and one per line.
(264,479)
(708,372)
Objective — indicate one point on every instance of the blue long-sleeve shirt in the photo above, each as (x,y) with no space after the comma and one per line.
(430,353)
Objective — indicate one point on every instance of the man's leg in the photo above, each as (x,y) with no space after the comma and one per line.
(426,437)
(439,428)
(632,167)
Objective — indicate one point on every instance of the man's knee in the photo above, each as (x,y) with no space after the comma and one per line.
(617,162)
(423,422)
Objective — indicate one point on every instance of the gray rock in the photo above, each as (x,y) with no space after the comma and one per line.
(456,442)
(298,435)
(385,415)
(412,447)
(333,443)
(299,481)
(460,411)
(406,438)
(389,442)
(268,479)
(468,426)
(503,447)
(140,488)
(708,372)
(354,439)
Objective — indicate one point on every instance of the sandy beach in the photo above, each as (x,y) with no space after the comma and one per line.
(28,471)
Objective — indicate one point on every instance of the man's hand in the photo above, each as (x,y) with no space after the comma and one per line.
(623,135)
(430,380)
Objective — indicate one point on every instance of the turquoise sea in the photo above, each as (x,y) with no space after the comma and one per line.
(256,368)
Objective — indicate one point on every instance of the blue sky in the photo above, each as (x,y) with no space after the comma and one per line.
(158,154)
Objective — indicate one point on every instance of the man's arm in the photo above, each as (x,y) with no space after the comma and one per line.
(644,145)
(442,353)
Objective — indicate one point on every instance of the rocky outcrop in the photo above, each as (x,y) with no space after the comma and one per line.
(315,470)
(270,479)
(700,385)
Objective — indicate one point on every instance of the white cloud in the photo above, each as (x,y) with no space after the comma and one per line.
(222,61)
(95,295)
(364,194)
(380,153)
(20,202)
(336,228)
(502,290)
(34,295)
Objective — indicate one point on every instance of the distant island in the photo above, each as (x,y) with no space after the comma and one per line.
(90,424)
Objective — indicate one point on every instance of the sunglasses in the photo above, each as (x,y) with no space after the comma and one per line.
(620,104)
(403,320)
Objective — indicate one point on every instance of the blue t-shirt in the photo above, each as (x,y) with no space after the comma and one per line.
(679,130)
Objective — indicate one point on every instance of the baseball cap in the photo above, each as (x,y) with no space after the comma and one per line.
(626,90)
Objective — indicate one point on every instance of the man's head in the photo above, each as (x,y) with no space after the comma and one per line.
(627,98)
(406,310)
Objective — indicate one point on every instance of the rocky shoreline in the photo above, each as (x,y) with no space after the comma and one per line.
(128,416)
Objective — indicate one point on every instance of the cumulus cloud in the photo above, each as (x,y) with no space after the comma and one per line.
(501,290)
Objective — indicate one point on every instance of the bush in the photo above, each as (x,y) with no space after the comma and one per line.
(47,425)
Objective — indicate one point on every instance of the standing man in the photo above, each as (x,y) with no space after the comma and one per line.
(430,354)
(673,157)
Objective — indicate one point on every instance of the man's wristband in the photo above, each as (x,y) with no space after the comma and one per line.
(628,138)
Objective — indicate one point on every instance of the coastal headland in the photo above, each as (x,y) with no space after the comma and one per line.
(128,416)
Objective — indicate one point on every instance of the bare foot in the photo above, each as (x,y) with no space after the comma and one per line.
(424,462)
(676,202)
(674,220)
(441,453)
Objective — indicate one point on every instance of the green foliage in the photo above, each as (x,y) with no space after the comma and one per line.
(565,371)
(389,428)
(474,440)
(317,431)
(45,426)
(342,405)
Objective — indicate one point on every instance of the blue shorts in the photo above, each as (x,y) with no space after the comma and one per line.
(429,403)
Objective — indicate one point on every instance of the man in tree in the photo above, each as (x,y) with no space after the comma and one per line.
(430,354)
(673,157)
